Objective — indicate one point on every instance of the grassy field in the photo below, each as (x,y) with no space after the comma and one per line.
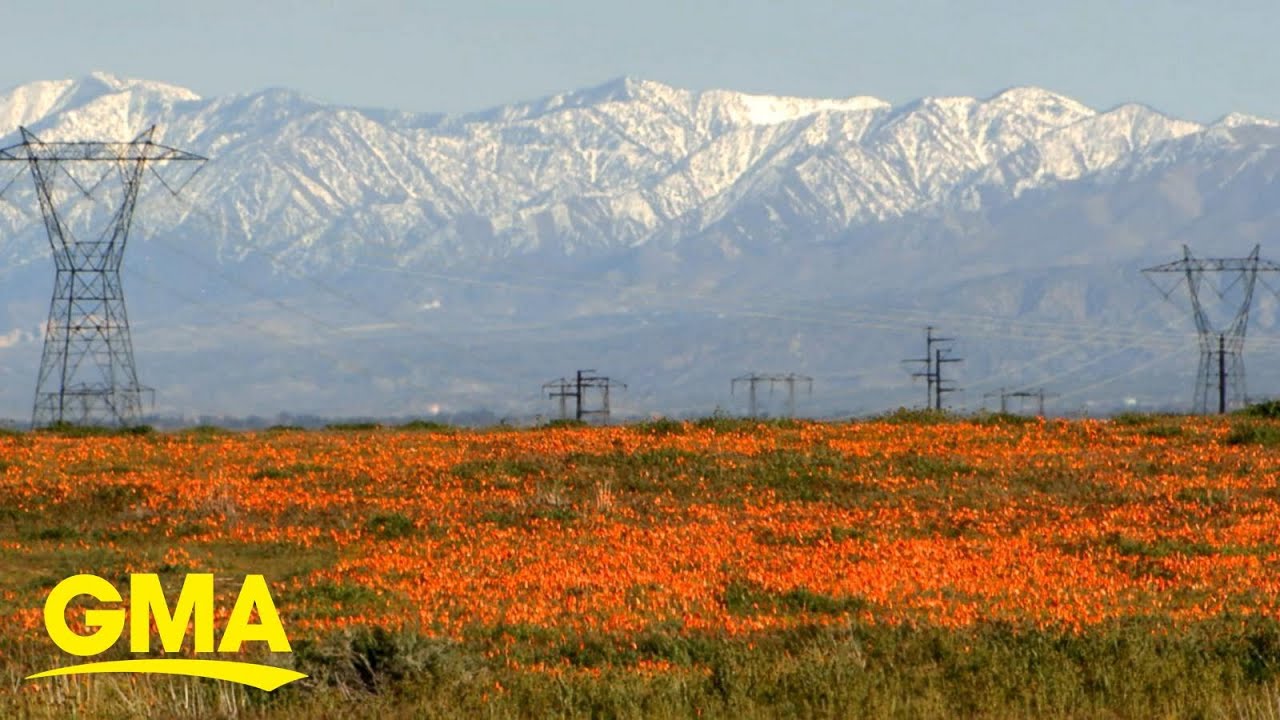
(914,566)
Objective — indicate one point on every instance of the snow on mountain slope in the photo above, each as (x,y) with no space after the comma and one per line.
(719,227)
(595,170)
(98,105)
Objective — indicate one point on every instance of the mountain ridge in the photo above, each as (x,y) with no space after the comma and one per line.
(630,159)
(718,227)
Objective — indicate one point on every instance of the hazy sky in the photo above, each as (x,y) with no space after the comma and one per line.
(1193,58)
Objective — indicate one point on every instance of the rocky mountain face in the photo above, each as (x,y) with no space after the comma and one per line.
(354,261)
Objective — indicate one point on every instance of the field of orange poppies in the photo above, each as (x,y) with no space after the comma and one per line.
(909,566)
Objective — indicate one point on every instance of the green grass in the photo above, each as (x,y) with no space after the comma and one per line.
(353,426)
(1254,433)
(72,430)
(1158,549)
(1136,669)
(742,597)
(662,427)
(1002,418)
(916,416)
(1264,409)
(287,471)
(390,526)
(427,426)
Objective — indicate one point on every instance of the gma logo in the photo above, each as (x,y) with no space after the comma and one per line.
(194,608)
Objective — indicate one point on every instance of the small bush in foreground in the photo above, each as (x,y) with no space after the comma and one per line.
(1254,433)
(1264,409)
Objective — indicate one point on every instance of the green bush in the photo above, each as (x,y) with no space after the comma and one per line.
(67,429)
(661,427)
(353,426)
(426,426)
(390,526)
(1254,433)
(915,416)
(1264,409)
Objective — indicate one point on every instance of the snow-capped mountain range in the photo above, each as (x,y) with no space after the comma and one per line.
(639,210)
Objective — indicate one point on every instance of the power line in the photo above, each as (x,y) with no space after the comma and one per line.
(1126,373)
(1015,329)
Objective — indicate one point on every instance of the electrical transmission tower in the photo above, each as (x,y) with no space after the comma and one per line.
(87,375)
(1005,396)
(934,359)
(1221,369)
(576,388)
(751,380)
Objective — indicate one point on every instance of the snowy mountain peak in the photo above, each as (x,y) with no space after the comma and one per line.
(1235,120)
(1140,112)
(689,204)
(623,89)
(25,104)
(775,109)
(737,108)
(626,88)
(108,82)
(946,103)
(98,105)
(619,165)
(1029,100)
(105,80)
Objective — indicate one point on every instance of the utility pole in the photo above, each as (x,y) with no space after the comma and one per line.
(583,380)
(932,371)
(752,379)
(1238,276)
(562,390)
(940,386)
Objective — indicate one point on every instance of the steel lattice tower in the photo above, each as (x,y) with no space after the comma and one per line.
(1220,375)
(87,374)
(754,378)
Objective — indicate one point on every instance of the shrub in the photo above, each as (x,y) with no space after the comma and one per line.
(426,426)
(915,416)
(1253,433)
(353,426)
(1263,409)
(390,526)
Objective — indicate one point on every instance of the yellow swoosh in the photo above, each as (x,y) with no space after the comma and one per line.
(263,677)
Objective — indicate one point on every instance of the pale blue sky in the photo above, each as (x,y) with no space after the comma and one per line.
(1192,58)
